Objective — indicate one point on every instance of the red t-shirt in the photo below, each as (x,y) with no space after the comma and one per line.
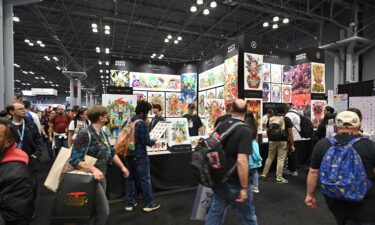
(60,123)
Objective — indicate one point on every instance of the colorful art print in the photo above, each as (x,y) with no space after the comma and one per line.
(276,73)
(301,102)
(317,111)
(318,78)
(160,145)
(288,72)
(214,109)
(266,72)
(340,102)
(220,92)
(178,132)
(157,98)
(276,93)
(211,93)
(266,92)
(154,82)
(173,102)
(159,130)
(302,79)
(141,95)
(287,94)
(211,78)
(119,78)
(230,79)
(255,107)
(201,100)
(188,90)
(253,71)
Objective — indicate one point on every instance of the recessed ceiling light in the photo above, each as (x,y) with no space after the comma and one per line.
(179,38)
(31,44)
(95,30)
(27,40)
(213,4)
(106,50)
(42,45)
(166,40)
(101,71)
(107,27)
(39,42)
(16,19)
(58,68)
(94,25)
(108,32)
(285,20)
(199,2)
(97,49)
(275,26)
(100,62)
(169,36)
(275,19)
(266,24)
(193,9)
(175,42)
(107,63)
(206,11)
(31,72)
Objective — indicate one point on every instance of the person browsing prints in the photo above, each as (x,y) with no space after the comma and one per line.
(194,121)
(156,110)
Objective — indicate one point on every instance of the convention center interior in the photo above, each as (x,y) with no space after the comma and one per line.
(187,112)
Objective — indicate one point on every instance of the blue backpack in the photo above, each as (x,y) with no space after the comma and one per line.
(342,174)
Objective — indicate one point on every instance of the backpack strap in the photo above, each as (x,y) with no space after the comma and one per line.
(332,140)
(230,130)
(300,118)
(354,140)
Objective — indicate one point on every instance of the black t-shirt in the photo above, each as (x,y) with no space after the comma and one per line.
(239,142)
(222,118)
(288,125)
(364,210)
(194,123)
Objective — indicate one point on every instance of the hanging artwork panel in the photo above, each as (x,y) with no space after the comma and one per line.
(201,100)
(266,72)
(188,91)
(317,114)
(276,93)
(230,79)
(288,72)
(287,93)
(173,105)
(255,107)
(318,78)
(178,132)
(220,92)
(211,78)
(155,82)
(253,71)
(276,73)
(301,96)
(141,95)
(211,93)
(157,98)
(266,92)
(214,109)
(119,78)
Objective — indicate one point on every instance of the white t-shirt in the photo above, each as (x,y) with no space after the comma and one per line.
(296,123)
(80,126)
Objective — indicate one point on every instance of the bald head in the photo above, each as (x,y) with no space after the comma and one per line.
(18,110)
(239,106)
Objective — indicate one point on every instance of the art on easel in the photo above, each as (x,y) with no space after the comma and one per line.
(253,71)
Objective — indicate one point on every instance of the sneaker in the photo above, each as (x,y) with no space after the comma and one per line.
(130,207)
(255,189)
(263,177)
(287,172)
(152,207)
(295,174)
(281,180)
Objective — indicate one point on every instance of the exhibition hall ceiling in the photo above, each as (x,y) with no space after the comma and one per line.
(68,34)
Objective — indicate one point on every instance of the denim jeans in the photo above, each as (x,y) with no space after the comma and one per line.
(59,143)
(139,168)
(101,205)
(254,177)
(227,195)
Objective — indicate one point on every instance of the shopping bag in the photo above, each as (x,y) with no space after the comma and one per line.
(75,198)
(54,176)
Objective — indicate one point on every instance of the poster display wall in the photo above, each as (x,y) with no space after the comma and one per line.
(276,93)
(317,114)
(214,109)
(301,95)
(277,87)
(255,106)
(231,80)
(155,82)
(253,75)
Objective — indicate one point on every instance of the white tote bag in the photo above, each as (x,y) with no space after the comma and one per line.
(53,178)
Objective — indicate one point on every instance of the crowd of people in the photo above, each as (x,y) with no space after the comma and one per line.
(24,134)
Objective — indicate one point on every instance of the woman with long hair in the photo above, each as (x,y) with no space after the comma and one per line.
(79,122)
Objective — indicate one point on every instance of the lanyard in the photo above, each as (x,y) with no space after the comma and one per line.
(103,139)
(21,135)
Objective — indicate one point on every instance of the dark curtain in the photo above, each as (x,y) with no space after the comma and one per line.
(363,88)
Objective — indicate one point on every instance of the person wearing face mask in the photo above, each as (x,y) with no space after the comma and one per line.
(16,185)
(95,143)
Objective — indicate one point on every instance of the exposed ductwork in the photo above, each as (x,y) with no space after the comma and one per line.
(346,42)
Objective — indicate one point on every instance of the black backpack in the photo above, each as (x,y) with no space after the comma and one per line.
(276,130)
(307,127)
(211,167)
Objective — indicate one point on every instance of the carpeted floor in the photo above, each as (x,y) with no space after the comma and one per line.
(276,204)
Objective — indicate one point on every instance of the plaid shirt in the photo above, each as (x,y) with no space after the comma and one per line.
(142,137)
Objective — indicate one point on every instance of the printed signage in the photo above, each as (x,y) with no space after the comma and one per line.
(120,90)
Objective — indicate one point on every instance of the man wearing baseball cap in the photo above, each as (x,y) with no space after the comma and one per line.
(345,212)
(194,121)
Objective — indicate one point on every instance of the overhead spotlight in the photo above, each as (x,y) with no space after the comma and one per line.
(107,27)
(107,71)
(95,30)
(206,11)
(106,50)
(285,20)
(175,42)
(107,63)
(169,36)
(31,44)
(179,38)
(46,82)
(199,2)
(166,40)
(161,55)
(213,4)
(152,56)
(94,25)
(100,62)
(193,8)
(25,72)
(97,49)
(50,82)
(37,78)
(42,45)
(16,65)
(107,77)
(101,76)
(42,78)
(275,19)
(27,40)
(101,71)
(16,19)
(52,85)
(107,32)
(31,72)
(266,24)
(58,68)
(275,26)
(39,42)
(56,85)
(55,58)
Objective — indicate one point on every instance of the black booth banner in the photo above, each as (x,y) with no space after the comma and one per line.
(157,98)
(255,106)
(155,82)
(318,78)
(317,114)
(253,75)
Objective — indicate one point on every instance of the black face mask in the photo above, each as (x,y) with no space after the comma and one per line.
(106,123)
